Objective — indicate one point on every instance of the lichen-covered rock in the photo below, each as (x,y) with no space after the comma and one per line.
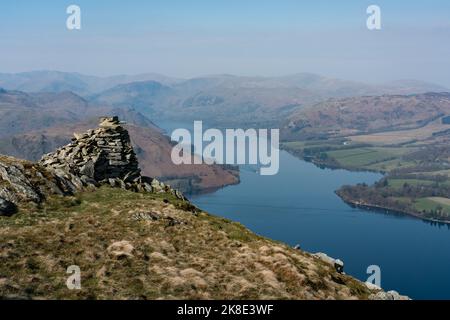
(22,181)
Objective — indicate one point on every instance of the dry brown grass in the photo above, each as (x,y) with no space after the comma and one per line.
(178,255)
(402,136)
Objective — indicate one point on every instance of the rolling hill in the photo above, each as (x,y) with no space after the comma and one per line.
(367,114)
(85,85)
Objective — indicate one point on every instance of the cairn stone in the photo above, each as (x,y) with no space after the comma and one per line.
(103,156)
(100,155)
(96,157)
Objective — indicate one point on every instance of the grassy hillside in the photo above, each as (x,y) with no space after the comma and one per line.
(148,246)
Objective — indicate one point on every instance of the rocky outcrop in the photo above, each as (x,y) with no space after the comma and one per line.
(378,293)
(97,157)
(7,208)
(104,156)
(390,295)
(336,263)
(23,181)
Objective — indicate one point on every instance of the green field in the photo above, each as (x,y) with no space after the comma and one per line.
(398,183)
(440,172)
(316,144)
(390,165)
(352,155)
(295,145)
(430,204)
(369,156)
(424,164)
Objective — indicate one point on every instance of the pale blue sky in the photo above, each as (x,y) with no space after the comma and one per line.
(246,37)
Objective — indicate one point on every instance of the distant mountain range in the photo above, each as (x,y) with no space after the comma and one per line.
(84,85)
(222,100)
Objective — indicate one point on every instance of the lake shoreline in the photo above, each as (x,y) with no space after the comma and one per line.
(299,206)
(358,204)
(327,165)
(373,207)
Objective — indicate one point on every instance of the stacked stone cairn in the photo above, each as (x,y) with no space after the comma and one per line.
(104,156)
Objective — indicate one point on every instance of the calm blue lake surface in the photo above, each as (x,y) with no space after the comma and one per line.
(299,206)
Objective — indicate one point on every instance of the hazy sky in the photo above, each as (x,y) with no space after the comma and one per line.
(188,38)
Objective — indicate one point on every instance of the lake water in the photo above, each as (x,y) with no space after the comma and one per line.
(299,206)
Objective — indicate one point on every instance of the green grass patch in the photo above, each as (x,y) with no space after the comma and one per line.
(431,205)
(363,157)
(390,165)
(399,183)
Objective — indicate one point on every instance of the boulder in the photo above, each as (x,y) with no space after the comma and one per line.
(372,286)
(336,263)
(88,169)
(339,265)
(121,249)
(390,295)
(23,181)
(7,208)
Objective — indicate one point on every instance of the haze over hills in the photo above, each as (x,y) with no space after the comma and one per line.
(219,98)
(85,85)
(256,100)
(146,96)
(57,81)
